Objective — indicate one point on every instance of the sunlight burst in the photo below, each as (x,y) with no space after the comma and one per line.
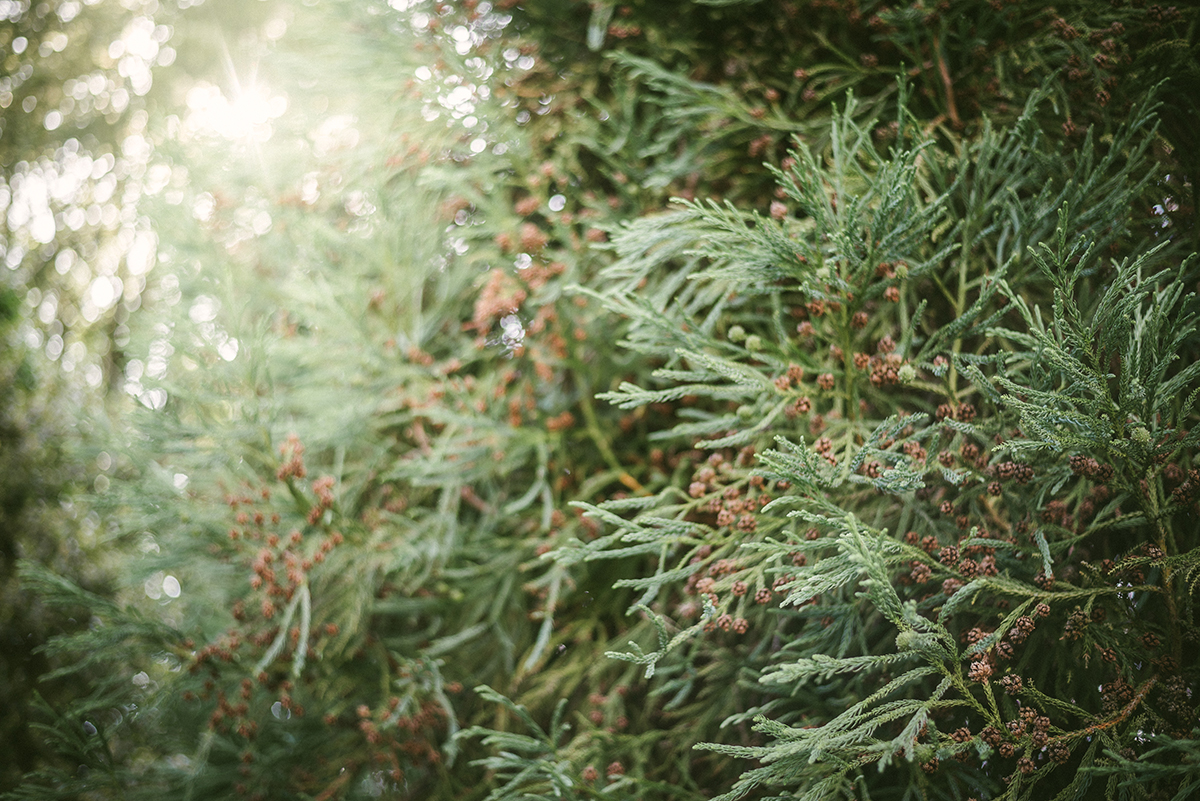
(247,116)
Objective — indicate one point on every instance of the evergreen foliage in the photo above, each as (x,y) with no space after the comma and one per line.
(33,474)
(469,464)
(76,91)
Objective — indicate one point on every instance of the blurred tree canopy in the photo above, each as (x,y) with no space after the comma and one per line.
(77,89)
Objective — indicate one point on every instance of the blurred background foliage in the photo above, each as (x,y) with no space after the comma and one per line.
(77,89)
(299,380)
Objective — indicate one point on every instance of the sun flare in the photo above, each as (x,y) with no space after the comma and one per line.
(247,116)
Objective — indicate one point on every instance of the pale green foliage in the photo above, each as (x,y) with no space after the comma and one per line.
(1071,400)
(688,277)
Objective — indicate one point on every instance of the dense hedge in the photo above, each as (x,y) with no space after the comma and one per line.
(662,400)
